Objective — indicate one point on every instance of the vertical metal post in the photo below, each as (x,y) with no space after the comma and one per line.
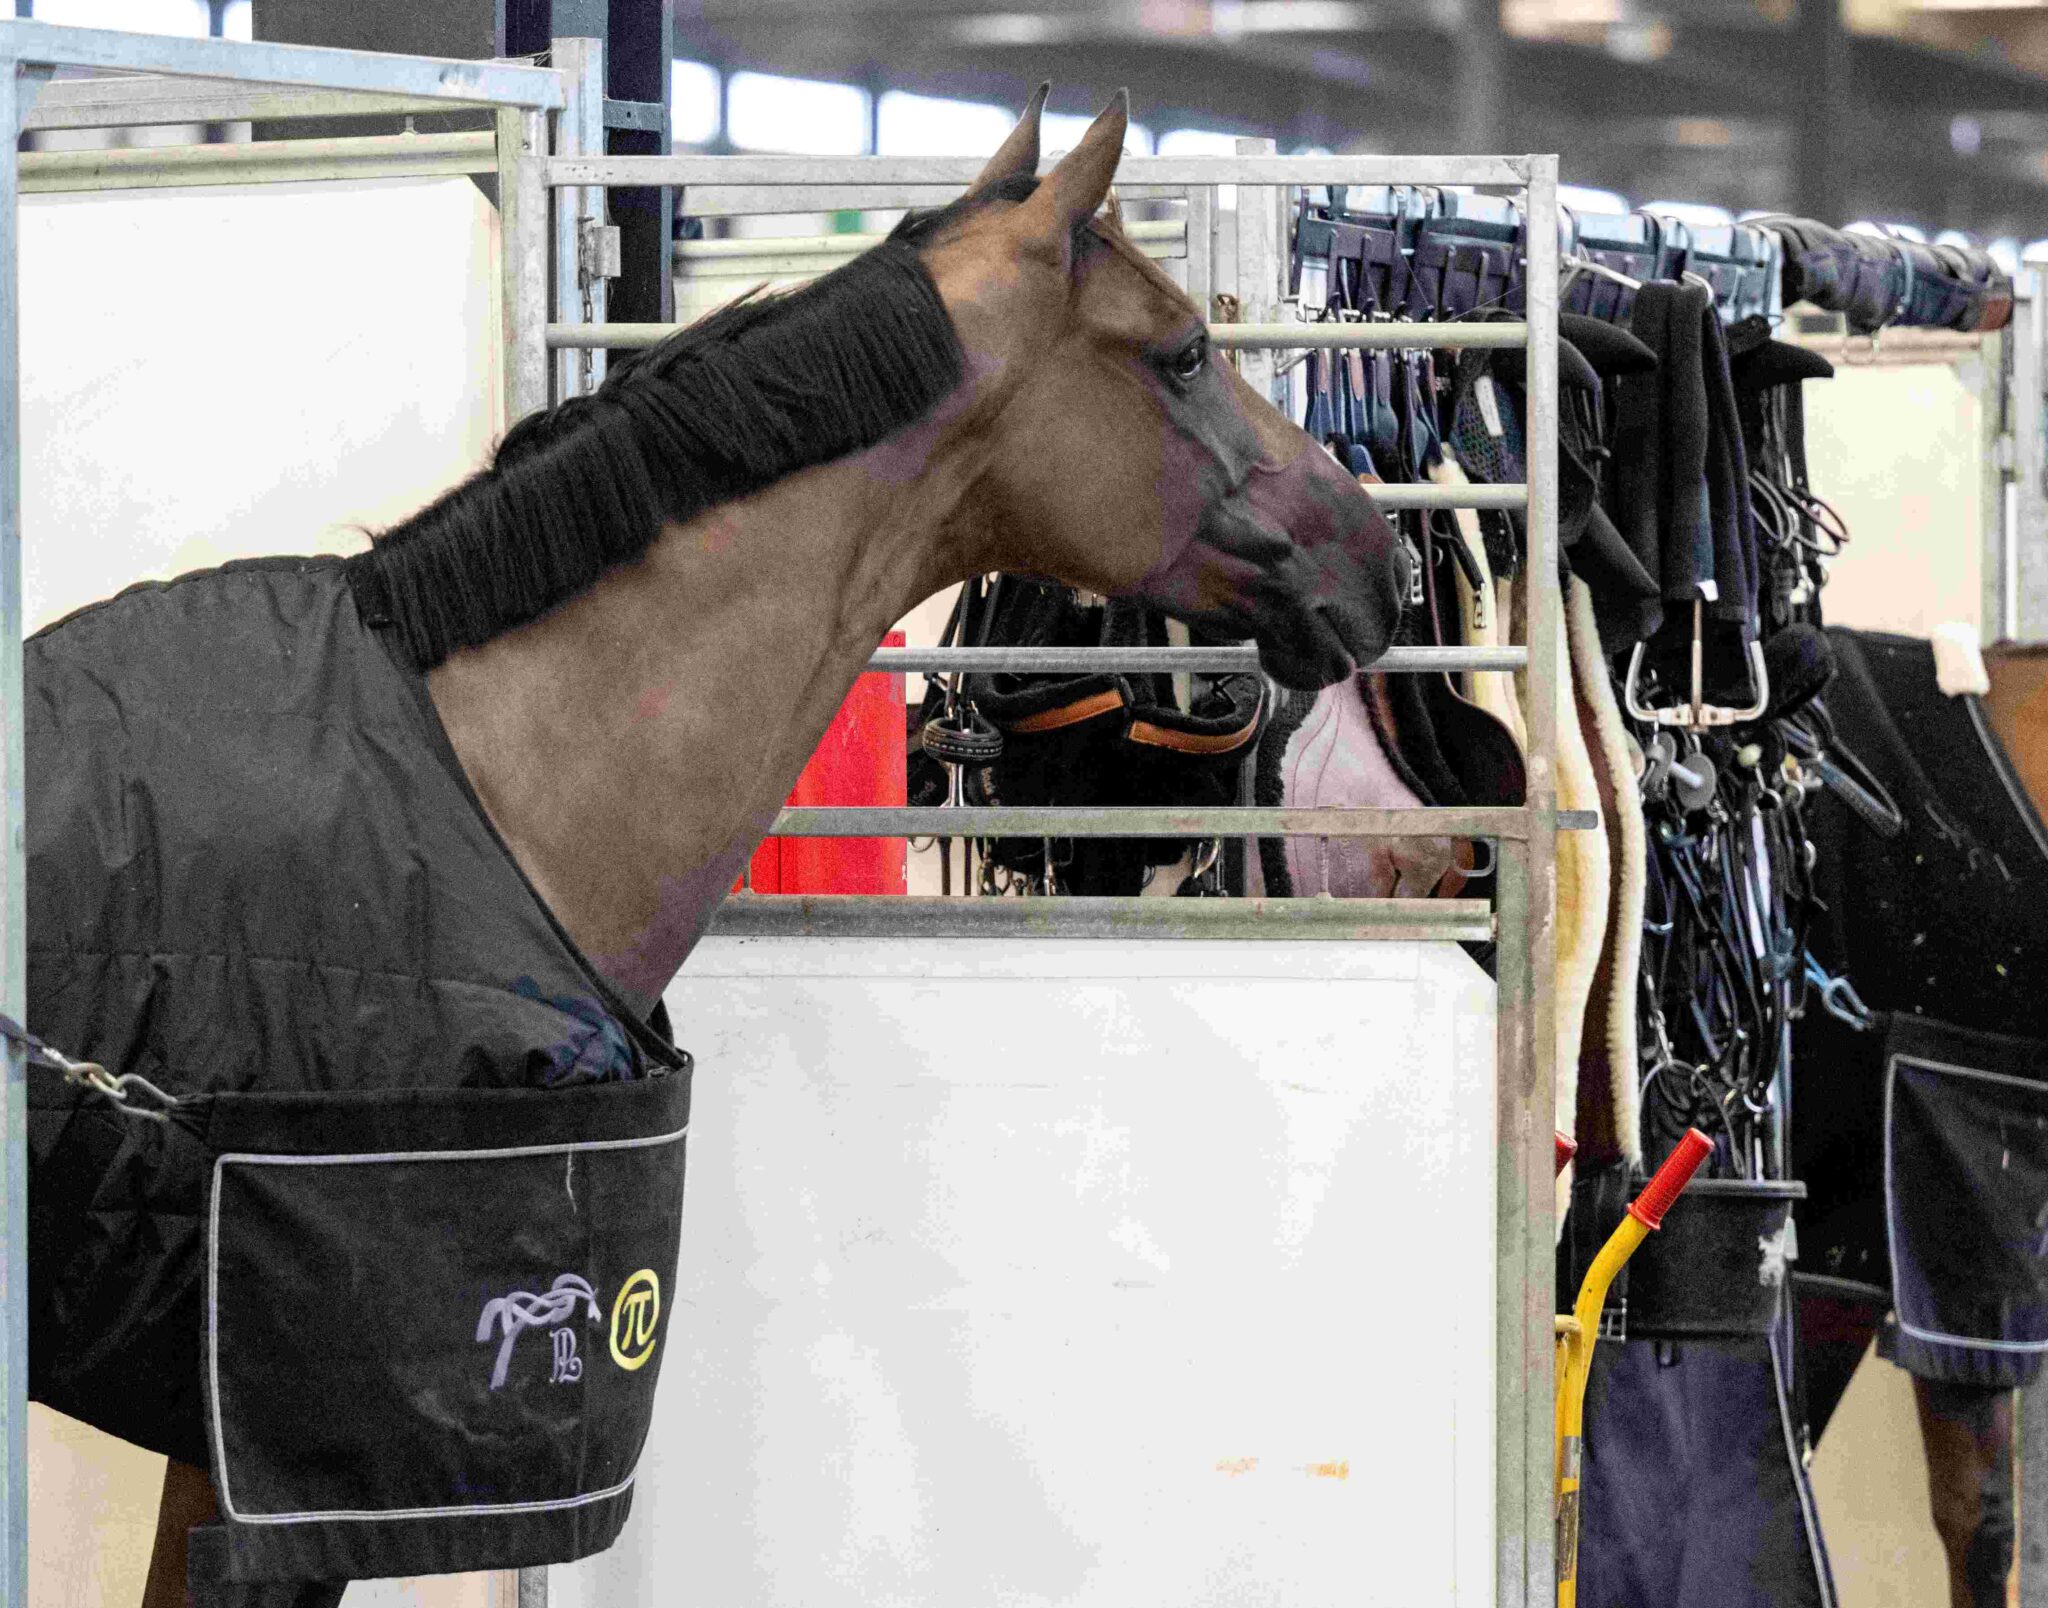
(1261,264)
(579,213)
(13,885)
(1527,993)
(2023,603)
(2033,1494)
(1514,1117)
(523,258)
(1202,248)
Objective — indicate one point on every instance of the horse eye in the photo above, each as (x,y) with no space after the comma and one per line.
(1188,364)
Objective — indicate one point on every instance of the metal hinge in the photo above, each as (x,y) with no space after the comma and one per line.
(598,253)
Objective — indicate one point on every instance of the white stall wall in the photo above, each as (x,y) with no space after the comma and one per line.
(211,374)
(1904,452)
(1075,1273)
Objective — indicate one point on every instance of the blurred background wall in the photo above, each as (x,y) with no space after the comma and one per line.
(1931,114)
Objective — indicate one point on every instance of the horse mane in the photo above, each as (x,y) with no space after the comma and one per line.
(766,386)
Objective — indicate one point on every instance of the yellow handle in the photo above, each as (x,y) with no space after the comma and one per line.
(1575,1367)
(1577,1337)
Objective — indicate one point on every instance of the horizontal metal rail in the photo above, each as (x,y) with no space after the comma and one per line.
(147,102)
(1211,661)
(855,821)
(1170,231)
(1472,495)
(439,79)
(1394,334)
(163,167)
(953,172)
(770,915)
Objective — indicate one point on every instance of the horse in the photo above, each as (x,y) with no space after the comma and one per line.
(616,645)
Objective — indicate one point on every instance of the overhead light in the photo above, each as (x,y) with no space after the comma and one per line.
(1965,135)
(1975,5)
(1012,28)
(1231,17)
(1639,41)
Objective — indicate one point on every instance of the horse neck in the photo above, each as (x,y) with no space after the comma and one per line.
(633,746)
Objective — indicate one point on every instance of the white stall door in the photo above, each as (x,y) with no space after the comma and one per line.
(1116,1273)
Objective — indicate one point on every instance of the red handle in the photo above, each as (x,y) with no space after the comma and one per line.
(1567,1148)
(1649,1207)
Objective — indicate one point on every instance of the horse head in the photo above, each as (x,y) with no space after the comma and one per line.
(1118,452)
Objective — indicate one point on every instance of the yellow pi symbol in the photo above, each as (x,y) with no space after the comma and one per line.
(634,1315)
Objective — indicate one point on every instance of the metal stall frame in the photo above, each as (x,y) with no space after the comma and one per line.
(199,81)
(558,248)
(1523,919)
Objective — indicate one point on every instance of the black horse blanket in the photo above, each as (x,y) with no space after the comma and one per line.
(258,877)
(1923,1139)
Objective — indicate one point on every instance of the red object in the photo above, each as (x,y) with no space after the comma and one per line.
(860,760)
(1567,1147)
(1649,1207)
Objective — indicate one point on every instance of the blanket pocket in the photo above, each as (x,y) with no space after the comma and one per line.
(1966,1202)
(434,1322)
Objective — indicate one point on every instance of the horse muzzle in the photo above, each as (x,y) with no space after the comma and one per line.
(1328,573)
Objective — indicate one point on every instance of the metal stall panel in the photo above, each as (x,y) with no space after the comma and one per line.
(1163,1292)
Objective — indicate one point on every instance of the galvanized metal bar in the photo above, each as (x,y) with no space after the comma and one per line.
(1260,265)
(2023,613)
(1201,275)
(1155,821)
(2032,1504)
(753,915)
(438,79)
(523,259)
(1264,337)
(578,131)
(1052,661)
(1426,494)
(1399,334)
(148,102)
(1146,232)
(1535,1079)
(162,167)
(13,887)
(1516,1120)
(950,172)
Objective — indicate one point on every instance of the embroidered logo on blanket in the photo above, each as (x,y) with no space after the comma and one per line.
(634,1315)
(514,1314)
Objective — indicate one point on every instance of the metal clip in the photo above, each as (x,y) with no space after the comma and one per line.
(88,1074)
(1696,712)
(1838,995)
(598,252)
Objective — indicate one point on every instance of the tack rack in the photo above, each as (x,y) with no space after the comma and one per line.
(557,251)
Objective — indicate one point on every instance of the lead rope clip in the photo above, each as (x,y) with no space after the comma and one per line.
(91,1075)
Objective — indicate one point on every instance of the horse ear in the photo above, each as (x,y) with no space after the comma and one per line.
(1073,191)
(1019,152)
